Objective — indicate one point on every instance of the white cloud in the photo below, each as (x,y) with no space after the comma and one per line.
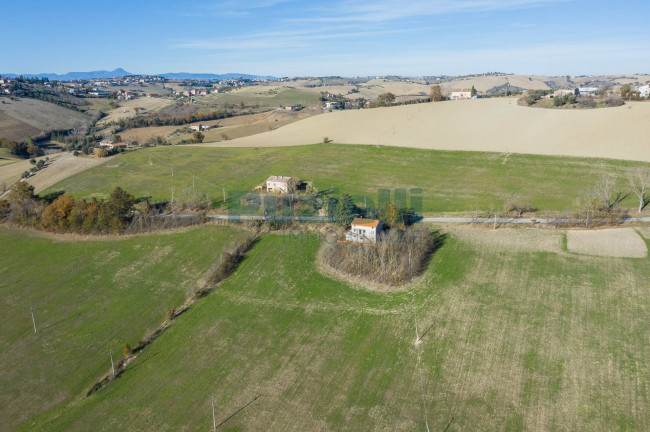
(389,10)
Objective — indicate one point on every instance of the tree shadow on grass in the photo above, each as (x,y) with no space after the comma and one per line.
(52,196)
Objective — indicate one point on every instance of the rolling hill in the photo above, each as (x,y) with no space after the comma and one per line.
(492,125)
(25,117)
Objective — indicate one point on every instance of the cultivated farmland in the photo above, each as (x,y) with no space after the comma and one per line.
(31,117)
(496,125)
(514,340)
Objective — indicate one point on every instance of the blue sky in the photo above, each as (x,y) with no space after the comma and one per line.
(339,37)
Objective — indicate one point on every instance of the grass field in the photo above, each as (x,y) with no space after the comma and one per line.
(511,341)
(264,96)
(89,296)
(450,181)
(496,125)
(150,105)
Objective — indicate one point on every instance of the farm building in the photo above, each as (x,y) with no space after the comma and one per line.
(460,95)
(280,184)
(561,93)
(586,91)
(197,127)
(332,105)
(644,91)
(364,231)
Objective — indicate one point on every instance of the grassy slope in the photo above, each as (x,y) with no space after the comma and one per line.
(451,181)
(266,97)
(89,297)
(521,341)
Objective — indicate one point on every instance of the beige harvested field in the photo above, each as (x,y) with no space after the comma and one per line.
(518,239)
(485,83)
(493,125)
(617,242)
(149,104)
(61,166)
(11,173)
(143,134)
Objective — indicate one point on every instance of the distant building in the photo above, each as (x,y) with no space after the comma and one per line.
(364,231)
(586,91)
(562,92)
(332,105)
(197,127)
(460,95)
(280,184)
(152,94)
(644,91)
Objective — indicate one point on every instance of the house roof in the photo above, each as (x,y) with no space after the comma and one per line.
(371,223)
(278,179)
(119,144)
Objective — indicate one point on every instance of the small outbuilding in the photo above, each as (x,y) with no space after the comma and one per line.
(364,231)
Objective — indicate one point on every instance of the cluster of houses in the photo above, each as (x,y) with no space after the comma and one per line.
(5,83)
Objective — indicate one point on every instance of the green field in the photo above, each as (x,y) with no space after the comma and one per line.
(89,296)
(265,97)
(525,340)
(450,181)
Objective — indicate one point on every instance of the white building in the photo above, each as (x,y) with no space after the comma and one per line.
(644,91)
(197,127)
(587,91)
(364,231)
(280,184)
(331,105)
(460,95)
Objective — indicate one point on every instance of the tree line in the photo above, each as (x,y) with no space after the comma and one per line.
(65,214)
(147,121)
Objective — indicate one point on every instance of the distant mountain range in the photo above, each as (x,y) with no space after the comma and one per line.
(119,72)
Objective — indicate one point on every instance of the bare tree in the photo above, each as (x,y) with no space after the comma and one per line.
(77,129)
(604,191)
(639,184)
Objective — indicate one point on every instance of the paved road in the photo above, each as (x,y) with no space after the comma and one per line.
(424,219)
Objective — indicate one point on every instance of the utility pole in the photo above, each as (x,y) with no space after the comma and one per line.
(110,353)
(31,309)
(214,418)
(224,195)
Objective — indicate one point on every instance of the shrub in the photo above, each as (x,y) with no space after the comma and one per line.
(586,102)
(126,349)
(399,256)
